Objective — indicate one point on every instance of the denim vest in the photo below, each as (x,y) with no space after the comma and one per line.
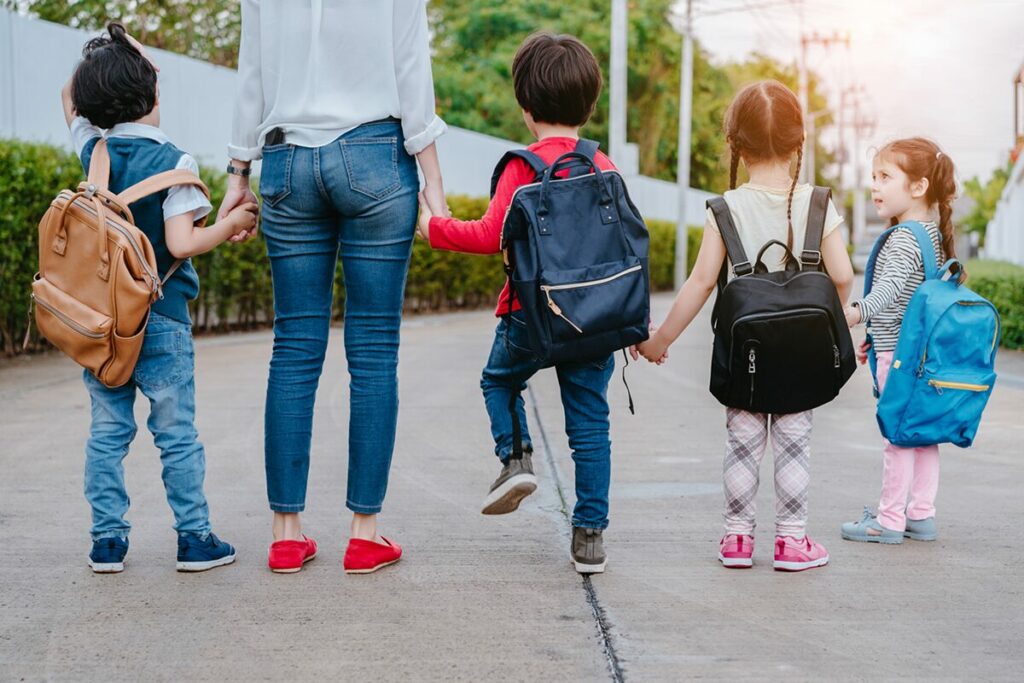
(131,161)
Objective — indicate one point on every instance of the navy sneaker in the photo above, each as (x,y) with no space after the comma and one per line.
(107,556)
(196,554)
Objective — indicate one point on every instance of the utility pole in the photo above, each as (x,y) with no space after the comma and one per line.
(807,172)
(683,153)
(617,86)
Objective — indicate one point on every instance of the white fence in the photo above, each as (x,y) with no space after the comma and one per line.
(1004,238)
(36,58)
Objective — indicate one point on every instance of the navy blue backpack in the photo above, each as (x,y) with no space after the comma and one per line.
(576,256)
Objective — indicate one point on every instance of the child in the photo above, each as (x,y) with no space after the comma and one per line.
(114,87)
(912,180)
(557,82)
(764,129)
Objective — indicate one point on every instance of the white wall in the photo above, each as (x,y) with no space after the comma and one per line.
(36,58)
(1004,237)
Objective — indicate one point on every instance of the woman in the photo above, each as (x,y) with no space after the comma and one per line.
(336,97)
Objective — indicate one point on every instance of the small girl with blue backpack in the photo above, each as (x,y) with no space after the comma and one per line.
(769,215)
(930,340)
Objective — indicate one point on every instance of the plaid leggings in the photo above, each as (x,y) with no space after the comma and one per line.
(747,438)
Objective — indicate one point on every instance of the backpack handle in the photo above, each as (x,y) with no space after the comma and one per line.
(791,262)
(946,272)
(606,197)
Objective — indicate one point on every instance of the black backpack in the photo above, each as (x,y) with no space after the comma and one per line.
(781,340)
(576,255)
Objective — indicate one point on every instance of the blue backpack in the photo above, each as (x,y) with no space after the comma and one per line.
(943,368)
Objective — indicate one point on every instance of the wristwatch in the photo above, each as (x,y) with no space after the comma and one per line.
(234,170)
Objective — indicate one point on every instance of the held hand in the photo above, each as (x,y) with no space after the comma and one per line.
(654,349)
(237,193)
(852,314)
(243,219)
(423,224)
(862,352)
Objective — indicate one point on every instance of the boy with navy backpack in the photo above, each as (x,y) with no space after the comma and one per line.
(541,323)
(931,342)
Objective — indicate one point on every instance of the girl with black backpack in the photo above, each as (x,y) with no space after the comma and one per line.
(764,129)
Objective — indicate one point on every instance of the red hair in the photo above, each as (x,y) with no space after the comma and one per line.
(763,123)
(921,158)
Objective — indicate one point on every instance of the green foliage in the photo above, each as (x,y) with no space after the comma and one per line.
(204,29)
(30,177)
(1002,284)
(985,199)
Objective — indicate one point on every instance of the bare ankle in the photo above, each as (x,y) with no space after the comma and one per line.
(364,527)
(287,526)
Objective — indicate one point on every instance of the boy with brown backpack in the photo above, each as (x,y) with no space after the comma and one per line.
(113,290)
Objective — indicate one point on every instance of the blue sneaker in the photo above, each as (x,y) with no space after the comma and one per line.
(107,555)
(921,529)
(196,554)
(859,531)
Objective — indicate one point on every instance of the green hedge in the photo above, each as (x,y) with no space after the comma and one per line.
(1002,284)
(236,289)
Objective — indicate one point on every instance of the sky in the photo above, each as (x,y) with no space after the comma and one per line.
(939,68)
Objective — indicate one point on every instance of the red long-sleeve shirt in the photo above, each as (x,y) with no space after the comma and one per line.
(483,236)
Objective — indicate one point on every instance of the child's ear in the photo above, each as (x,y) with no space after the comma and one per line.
(919,188)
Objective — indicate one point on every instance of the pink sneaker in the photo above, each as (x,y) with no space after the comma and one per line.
(736,551)
(796,555)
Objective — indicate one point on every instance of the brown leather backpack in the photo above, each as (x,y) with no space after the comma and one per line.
(97,272)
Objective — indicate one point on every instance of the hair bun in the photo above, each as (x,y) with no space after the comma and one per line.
(117,33)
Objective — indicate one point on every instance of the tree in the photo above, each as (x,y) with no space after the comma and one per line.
(205,29)
(986,197)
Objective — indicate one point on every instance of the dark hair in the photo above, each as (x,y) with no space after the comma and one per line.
(764,122)
(556,79)
(113,83)
(922,158)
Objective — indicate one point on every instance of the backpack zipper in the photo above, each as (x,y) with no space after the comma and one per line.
(154,280)
(77,327)
(547,289)
(752,371)
(963,386)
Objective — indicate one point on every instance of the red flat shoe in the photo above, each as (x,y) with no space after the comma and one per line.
(364,557)
(288,556)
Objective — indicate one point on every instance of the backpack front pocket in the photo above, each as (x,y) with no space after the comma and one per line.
(946,408)
(595,299)
(76,329)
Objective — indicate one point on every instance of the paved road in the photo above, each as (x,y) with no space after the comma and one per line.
(495,598)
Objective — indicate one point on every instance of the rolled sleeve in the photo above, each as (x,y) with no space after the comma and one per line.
(420,124)
(248,109)
(186,198)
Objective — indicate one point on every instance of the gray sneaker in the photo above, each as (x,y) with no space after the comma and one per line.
(515,482)
(588,550)
(921,529)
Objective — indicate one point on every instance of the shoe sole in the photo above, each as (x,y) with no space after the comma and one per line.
(887,540)
(106,567)
(799,566)
(736,562)
(507,497)
(920,537)
(585,568)
(204,566)
(372,569)
(292,570)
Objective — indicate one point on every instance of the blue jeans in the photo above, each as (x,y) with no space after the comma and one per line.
(584,388)
(165,375)
(356,196)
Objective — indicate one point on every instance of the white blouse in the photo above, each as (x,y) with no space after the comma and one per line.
(319,68)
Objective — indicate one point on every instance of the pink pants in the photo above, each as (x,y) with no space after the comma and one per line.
(906,472)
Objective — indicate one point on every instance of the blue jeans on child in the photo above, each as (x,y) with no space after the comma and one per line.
(356,196)
(164,375)
(584,388)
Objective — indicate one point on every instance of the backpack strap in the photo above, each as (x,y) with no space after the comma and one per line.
(733,245)
(160,182)
(99,165)
(810,258)
(535,162)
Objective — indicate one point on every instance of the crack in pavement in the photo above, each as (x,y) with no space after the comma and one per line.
(604,627)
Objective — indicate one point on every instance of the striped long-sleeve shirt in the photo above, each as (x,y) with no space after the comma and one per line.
(899,271)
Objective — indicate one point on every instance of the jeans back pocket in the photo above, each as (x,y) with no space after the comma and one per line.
(276,173)
(372,165)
